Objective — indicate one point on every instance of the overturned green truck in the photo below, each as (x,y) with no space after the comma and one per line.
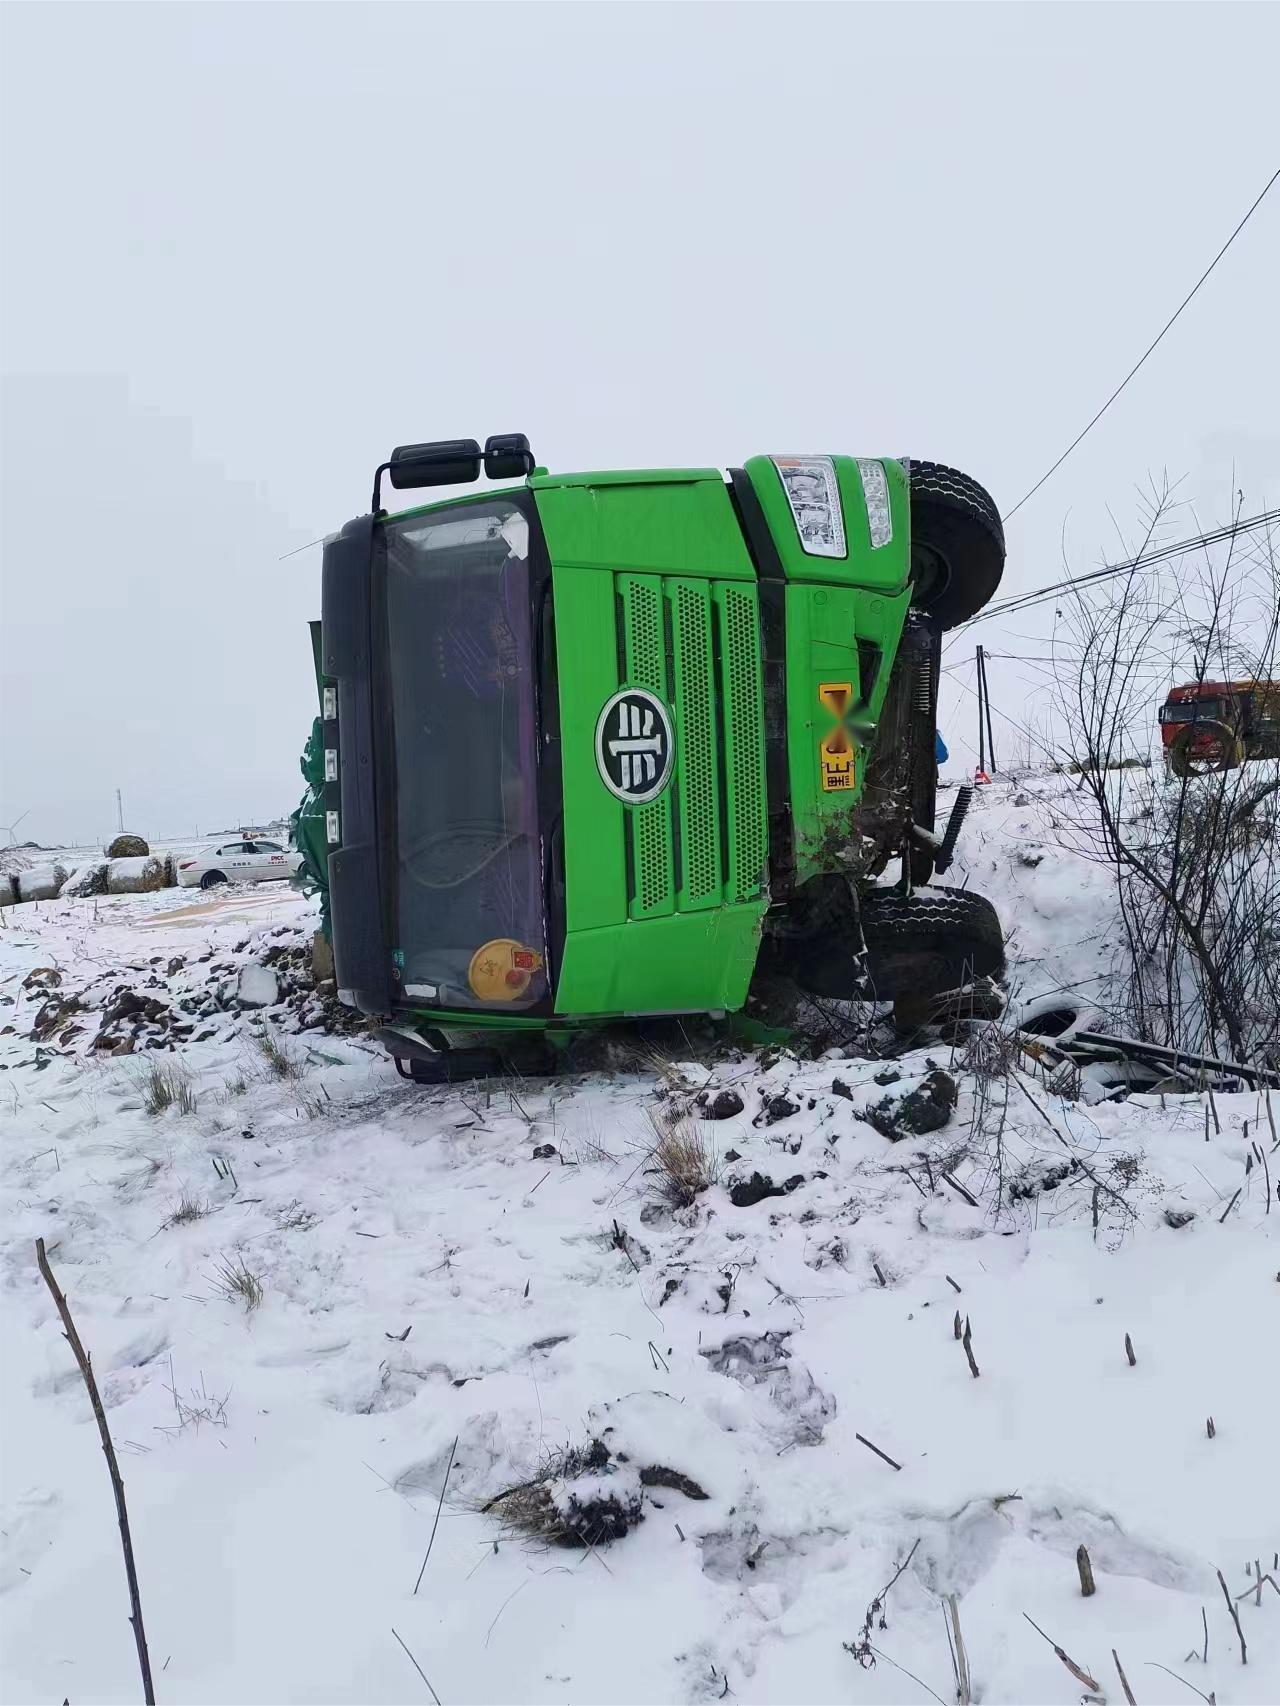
(606,746)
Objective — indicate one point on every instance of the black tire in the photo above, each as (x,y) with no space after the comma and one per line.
(919,946)
(211,879)
(957,543)
(934,940)
(1221,749)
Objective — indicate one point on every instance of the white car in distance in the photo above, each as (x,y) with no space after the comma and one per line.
(240,861)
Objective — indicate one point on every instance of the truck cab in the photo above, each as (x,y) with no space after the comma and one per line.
(595,744)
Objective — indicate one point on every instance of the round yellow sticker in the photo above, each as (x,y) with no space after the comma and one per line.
(502,970)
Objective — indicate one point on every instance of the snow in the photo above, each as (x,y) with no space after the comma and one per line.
(427,1280)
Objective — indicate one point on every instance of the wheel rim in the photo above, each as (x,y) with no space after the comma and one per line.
(930,573)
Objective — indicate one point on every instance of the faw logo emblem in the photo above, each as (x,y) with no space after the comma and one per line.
(634,747)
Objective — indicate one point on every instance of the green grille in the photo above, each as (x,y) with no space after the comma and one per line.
(697,778)
(705,842)
(652,852)
(742,688)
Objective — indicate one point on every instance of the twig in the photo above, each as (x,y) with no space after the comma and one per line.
(964,1690)
(880,1654)
(1088,1586)
(879,1275)
(422,1673)
(1080,1675)
(1124,1680)
(1207,1698)
(1227,1210)
(950,1281)
(1128,1351)
(430,1543)
(117,1484)
(967,1342)
(1235,1618)
(1263,1581)
(957,1327)
(882,1454)
(960,1191)
(861,1648)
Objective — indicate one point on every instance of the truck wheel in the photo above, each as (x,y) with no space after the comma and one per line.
(933,940)
(1203,749)
(957,543)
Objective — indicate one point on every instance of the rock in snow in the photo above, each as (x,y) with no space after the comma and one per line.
(258,987)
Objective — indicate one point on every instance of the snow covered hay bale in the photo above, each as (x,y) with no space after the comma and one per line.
(86,880)
(41,882)
(135,876)
(128,847)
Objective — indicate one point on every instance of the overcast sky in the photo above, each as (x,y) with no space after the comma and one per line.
(248,248)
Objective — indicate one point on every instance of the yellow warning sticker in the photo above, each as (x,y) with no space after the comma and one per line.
(839,764)
(835,751)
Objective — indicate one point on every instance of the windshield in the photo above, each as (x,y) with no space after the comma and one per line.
(459,602)
(1191,710)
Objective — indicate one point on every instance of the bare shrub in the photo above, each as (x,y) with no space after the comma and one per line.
(235,1281)
(1196,858)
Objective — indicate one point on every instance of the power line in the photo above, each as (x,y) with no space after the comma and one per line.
(1150,347)
(1022,601)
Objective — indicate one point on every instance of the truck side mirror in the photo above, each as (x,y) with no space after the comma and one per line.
(507,456)
(449,462)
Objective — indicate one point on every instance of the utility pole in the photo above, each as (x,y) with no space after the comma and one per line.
(119,813)
(986,734)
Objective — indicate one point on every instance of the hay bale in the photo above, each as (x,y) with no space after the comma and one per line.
(135,876)
(128,847)
(41,882)
(8,889)
(86,880)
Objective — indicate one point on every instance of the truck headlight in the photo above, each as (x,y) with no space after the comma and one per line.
(814,496)
(875,490)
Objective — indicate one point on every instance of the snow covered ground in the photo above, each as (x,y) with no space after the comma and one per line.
(490,1276)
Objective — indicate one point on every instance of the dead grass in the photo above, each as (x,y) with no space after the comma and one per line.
(235,1281)
(685,1158)
(167,1086)
(548,1509)
(200,1408)
(279,1061)
(294,1218)
(189,1209)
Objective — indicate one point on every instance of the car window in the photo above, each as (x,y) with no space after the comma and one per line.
(231,847)
(269,847)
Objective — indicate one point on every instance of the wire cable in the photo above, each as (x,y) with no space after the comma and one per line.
(1148,351)
(1023,600)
